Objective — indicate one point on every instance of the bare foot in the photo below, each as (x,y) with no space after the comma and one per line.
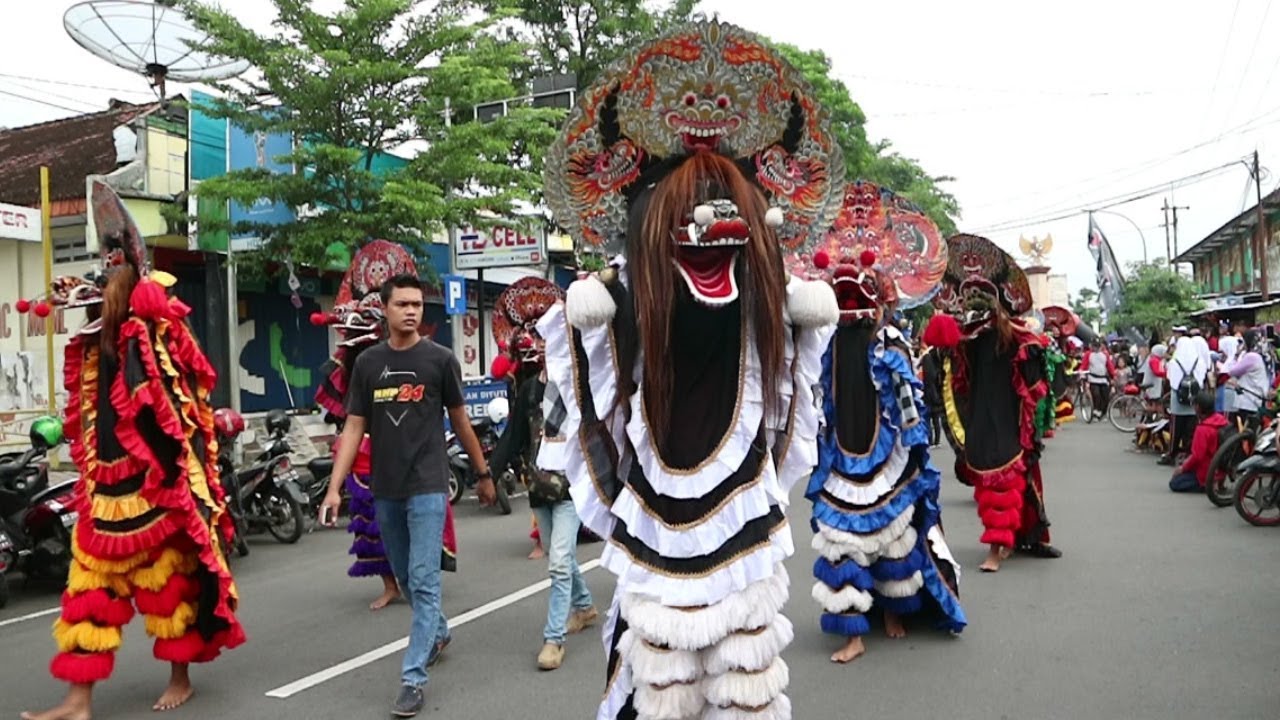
(995,555)
(893,626)
(537,553)
(390,592)
(851,651)
(75,706)
(178,692)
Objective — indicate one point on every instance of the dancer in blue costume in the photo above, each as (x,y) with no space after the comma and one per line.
(876,515)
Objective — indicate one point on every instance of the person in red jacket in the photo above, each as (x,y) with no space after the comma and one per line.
(1204,443)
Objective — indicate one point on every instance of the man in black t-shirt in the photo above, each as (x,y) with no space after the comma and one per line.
(399,392)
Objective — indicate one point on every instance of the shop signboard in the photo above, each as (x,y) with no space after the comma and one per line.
(477,249)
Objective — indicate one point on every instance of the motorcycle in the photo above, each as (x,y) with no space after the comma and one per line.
(461,476)
(35,519)
(1258,490)
(265,495)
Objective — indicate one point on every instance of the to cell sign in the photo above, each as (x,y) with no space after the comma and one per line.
(19,223)
(498,247)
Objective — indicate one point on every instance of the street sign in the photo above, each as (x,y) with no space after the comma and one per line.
(455,295)
(498,247)
(19,223)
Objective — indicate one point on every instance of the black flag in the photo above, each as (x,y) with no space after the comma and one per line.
(1110,279)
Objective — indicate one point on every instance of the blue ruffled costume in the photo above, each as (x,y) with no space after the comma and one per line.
(876,516)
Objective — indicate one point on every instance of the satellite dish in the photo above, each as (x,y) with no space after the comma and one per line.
(150,38)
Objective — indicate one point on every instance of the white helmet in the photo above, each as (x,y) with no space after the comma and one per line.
(498,409)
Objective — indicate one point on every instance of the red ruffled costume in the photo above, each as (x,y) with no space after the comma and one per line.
(993,381)
(152,518)
(152,515)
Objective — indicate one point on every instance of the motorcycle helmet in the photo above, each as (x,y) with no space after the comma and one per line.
(46,432)
(278,422)
(228,422)
(497,410)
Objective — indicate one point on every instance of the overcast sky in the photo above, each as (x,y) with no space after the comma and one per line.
(1036,108)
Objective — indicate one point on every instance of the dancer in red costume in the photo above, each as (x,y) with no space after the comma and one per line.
(994,377)
(358,317)
(152,515)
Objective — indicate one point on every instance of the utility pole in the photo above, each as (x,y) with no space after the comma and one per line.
(1168,253)
(1262,229)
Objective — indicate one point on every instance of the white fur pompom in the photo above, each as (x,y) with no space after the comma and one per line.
(773,217)
(588,303)
(703,215)
(812,303)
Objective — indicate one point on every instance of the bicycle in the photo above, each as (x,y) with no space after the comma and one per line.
(1127,409)
(1081,398)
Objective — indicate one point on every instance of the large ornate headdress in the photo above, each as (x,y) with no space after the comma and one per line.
(120,245)
(882,251)
(707,87)
(516,313)
(978,274)
(357,309)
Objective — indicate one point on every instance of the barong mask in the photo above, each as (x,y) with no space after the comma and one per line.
(516,313)
(706,88)
(888,255)
(357,313)
(980,281)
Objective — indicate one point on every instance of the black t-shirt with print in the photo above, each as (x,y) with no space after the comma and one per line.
(402,394)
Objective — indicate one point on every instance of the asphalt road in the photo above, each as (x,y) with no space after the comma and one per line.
(1163,607)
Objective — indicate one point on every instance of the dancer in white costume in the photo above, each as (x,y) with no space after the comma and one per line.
(681,401)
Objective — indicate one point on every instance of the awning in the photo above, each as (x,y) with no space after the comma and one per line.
(1224,309)
(1242,225)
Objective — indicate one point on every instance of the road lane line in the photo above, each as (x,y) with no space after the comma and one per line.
(31,616)
(342,668)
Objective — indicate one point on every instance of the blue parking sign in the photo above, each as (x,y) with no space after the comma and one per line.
(455,295)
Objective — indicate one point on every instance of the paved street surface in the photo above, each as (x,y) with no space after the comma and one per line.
(1163,607)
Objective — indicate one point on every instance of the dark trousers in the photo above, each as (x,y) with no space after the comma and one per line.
(935,425)
(1101,396)
(1185,482)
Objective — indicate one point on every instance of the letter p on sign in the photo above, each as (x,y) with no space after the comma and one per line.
(455,295)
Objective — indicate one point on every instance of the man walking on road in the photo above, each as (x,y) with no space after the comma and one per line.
(399,391)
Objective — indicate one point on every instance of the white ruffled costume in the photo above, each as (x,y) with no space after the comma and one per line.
(695,627)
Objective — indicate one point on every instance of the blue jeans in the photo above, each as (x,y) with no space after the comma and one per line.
(413,536)
(558,528)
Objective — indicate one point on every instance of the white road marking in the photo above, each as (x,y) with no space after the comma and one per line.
(392,648)
(31,616)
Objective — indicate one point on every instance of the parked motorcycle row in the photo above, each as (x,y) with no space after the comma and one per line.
(265,494)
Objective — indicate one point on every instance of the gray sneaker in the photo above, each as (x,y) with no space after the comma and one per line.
(409,702)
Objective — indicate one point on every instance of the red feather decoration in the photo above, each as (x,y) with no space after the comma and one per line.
(942,331)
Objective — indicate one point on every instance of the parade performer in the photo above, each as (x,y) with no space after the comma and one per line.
(1049,410)
(876,515)
(680,397)
(1060,324)
(152,514)
(995,378)
(357,316)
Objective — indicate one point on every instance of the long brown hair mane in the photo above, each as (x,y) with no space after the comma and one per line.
(653,276)
(115,306)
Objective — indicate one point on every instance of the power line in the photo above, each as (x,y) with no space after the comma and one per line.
(1249,63)
(29,88)
(1105,203)
(72,84)
(1124,173)
(1222,60)
(42,102)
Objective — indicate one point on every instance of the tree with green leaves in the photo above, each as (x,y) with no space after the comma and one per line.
(1155,298)
(581,37)
(584,36)
(1085,306)
(356,84)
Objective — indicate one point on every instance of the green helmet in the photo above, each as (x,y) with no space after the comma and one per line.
(46,432)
